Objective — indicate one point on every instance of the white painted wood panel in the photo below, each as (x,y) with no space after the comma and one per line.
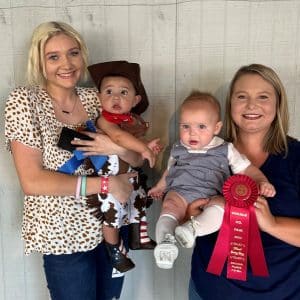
(181,45)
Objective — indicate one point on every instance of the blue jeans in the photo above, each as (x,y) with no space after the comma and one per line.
(193,295)
(82,275)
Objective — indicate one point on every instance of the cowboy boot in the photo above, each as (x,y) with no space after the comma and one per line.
(138,237)
(119,260)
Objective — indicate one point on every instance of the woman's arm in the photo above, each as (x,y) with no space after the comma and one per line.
(35,180)
(283,228)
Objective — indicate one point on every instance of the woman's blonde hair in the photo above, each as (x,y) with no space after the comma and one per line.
(36,74)
(276,139)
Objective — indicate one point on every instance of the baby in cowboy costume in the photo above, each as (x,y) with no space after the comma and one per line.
(123,98)
(198,166)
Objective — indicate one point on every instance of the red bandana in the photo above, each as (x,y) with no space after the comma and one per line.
(117,118)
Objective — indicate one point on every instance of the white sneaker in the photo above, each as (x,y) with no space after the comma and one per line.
(166,252)
(185,234)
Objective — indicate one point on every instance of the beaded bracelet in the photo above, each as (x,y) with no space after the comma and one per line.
(78,187)
(104,185)
(83,186)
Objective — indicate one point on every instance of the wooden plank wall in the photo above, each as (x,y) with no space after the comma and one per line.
(181,45)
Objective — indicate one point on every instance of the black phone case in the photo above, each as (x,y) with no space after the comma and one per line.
(67,135)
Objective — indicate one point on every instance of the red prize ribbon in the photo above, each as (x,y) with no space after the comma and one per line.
(239,235)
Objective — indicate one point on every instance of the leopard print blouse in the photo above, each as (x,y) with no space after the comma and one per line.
(51,224)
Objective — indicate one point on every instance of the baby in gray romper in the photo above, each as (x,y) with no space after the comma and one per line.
(198,166)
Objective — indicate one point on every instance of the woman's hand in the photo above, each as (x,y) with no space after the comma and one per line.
(121,187)
(100,145)
(282,228)
(264,217)
(195,208)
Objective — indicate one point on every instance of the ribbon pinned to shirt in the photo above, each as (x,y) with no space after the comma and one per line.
(70,166)
(239,235)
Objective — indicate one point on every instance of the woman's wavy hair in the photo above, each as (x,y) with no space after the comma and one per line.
(276,139)
(36,74)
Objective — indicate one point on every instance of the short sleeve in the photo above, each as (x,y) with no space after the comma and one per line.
(237,161)
(21,119)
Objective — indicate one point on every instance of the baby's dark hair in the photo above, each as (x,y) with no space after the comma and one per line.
(197,96)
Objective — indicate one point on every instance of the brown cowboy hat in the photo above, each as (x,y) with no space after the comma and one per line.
(125,69)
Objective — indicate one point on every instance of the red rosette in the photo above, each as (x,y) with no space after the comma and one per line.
(240,190)
(239,236)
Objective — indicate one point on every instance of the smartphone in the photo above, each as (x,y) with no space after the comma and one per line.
(67,135)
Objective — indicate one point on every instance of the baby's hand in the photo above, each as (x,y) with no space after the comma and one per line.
(150,156)
(156,192)
(266,189)
(155,146)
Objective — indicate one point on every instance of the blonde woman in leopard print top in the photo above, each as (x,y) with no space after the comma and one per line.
(55,222)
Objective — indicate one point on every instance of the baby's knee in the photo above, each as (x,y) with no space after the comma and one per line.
(174,205)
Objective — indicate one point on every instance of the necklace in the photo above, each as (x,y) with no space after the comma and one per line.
(66,112)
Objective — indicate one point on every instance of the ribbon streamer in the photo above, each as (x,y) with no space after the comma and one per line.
(239,235)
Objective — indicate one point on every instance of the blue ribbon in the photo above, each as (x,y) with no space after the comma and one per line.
(76,160)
